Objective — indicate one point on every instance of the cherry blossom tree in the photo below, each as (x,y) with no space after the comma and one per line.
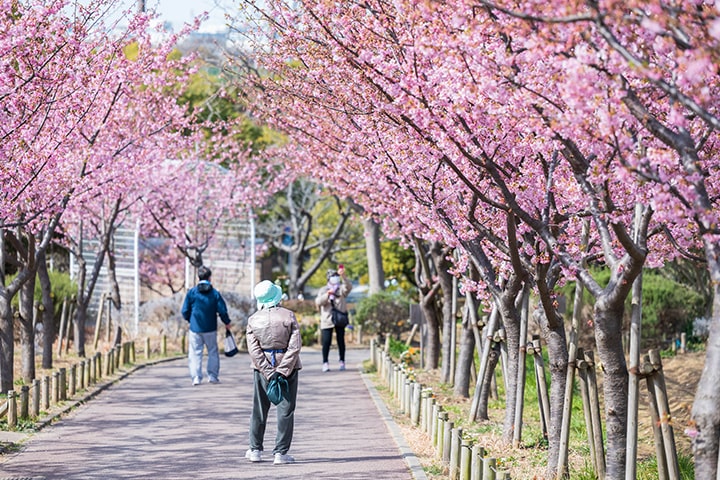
(78,97)
(466,103)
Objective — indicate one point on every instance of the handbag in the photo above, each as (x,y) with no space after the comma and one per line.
(230,346)
(277,389)
(339,319)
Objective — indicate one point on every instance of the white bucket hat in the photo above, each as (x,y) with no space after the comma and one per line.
(267,294)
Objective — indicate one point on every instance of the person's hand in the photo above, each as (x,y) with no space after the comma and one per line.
(227,326)
(275,376)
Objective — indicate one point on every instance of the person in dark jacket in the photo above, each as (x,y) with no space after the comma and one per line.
(203,304)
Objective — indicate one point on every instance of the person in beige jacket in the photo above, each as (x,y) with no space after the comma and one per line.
(274,342)
(333,294)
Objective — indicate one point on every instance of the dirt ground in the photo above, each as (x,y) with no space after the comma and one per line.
(682,374)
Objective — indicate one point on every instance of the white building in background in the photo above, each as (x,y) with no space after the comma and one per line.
(230,256)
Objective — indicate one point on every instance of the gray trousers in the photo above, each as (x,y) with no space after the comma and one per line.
(285,414)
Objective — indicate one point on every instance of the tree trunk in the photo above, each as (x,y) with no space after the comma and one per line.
(705,413)
(432,344)
(442,266)
(80,308)
(112,280)
(428,304)
(486,388)
(7,343)
(510,315)
(465,357)
(27,330)
(79,330)
(48,313)
(608,338)
(376,273)
(554,335)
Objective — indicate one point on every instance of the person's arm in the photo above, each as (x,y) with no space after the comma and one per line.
(345,284)
(292,354)
(257,355)
(323,297)
(187,306)
(222,310)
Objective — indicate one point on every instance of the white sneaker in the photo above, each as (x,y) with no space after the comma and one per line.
(196,381)
(326,367)
(281,459)
(342,366)
(254,455)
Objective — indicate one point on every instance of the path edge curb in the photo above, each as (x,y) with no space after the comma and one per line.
(411,460)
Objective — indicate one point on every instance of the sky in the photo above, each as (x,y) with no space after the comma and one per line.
(179,12)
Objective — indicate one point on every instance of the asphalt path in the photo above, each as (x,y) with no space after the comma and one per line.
(154,424)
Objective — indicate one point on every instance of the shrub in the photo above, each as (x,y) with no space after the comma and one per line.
(668,307)
(62,286)
(383,313)
(308,333)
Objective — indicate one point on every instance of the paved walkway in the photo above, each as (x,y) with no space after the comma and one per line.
(155,425)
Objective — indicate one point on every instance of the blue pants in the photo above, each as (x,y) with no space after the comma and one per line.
(196,344)
(285,414)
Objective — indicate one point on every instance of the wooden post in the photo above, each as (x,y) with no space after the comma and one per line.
(163,347)
(11,409)
(83,366)
(45,392)
(454,454)
(72,381)
(55,387)
(62,384)
(434,424)
(447,439)
(99,366)
(489,465)
(117,354)
(415,406)
(476,462)
(35,397)
(108,363)
(24,402)
(87,374)
(465,460)
(147,347)
(683,342)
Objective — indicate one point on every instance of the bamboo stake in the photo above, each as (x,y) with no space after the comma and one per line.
(61,330)
(655,416)
(596,419)
(483,362)
(665,417)
(98,321)
(520,395)
(543,396)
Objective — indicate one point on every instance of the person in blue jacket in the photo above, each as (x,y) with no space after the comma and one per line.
(203,304)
